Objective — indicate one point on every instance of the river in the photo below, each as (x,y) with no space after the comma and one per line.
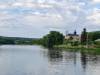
(36,60)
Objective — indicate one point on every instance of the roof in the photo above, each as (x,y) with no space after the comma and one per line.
(72,35)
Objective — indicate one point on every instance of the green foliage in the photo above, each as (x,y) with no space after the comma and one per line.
(53,38)
(97,42)
(71,38)
(37,41)
(75,43)
(94,35)
(16,40)
(66,42)
(4,40)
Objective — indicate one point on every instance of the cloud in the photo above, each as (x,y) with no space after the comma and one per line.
(96,1)
(94,17)
(42,20)
(31,5)
(3,6)
(39,16)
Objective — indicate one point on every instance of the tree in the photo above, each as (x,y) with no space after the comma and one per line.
(94,35)
(53,38)
(84,37)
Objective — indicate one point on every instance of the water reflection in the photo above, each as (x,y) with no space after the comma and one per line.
(55,55)
(83,59)
(78,62)
(70,56)
(88,59)
(35,60)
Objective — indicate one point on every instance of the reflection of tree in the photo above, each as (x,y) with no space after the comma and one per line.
(93,57)
(83,59)
(55,55)
(74,53)
(70,56)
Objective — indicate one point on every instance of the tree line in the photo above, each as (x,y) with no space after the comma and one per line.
(51,39)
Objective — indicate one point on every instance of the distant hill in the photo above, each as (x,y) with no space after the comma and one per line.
(16,40)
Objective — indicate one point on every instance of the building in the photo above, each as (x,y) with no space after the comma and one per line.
(73,37)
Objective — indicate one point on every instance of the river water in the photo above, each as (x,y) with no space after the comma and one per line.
(36,60)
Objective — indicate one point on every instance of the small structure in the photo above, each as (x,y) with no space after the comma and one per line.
(72,37)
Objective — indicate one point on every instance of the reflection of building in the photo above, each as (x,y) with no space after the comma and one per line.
(74,36)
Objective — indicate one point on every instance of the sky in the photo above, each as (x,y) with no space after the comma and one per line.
(35,18)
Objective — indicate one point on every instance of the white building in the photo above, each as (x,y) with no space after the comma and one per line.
(73,37)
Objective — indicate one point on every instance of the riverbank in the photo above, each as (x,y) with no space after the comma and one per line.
(78,48)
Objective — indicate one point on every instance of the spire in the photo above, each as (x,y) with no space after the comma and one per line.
(75,33)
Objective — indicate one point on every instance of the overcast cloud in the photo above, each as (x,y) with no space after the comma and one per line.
(35,18)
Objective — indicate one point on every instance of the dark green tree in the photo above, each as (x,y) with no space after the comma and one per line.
(94,35)
(53,38)
(84,37)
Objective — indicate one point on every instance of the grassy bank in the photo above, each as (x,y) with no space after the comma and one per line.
(78,48)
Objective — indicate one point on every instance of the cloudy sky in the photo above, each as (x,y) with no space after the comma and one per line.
(35,18)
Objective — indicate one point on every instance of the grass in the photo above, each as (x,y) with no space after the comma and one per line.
(79,48)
